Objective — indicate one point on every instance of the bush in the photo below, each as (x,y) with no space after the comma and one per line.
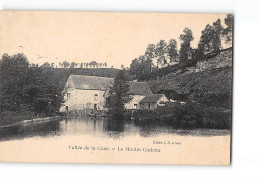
(11,117)
(189,115)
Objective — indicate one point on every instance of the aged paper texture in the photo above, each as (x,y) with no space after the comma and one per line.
(115,87)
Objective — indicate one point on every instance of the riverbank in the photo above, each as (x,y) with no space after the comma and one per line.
(29,121)
(188,116)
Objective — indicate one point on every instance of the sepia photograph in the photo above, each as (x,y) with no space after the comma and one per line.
(116,87)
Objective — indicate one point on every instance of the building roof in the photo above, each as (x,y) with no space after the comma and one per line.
(89,82)
(139,88)
(152,98)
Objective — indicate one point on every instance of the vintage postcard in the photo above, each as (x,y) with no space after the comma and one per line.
(115,87)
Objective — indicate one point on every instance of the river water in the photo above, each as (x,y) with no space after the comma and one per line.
(55,141)
(98,126)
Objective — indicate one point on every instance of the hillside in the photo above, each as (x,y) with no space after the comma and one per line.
(208,82)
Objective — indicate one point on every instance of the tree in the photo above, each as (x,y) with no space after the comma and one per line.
(118,95)
(93,64)
(65,64)
(161,61)
(228,31)
(217,32)
(150,51)
(205,44)
(141,69)
(73,65)
(42,92)
(24,89)
(13,76)
(148,64)
(46,64)
(172,50)
(210,40)
(186,39)
(160,51)
(134,67)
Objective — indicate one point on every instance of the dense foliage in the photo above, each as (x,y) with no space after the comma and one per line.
(27,90)
(186,50)
(118,96)
(190,115)
(212,88)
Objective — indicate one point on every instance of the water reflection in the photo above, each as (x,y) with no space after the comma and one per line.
(97,126)
(45,129)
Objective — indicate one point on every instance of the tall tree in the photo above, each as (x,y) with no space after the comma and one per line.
(161,51)
(186,39)
(210,40)
(118,95)
(228,31)
(217,32)
(148,64)
(13,76)
(172,50)
(150,51)
(141,60)
(134,67)
(205,44)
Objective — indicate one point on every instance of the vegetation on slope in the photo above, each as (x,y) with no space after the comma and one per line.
(209,82)
(205,86)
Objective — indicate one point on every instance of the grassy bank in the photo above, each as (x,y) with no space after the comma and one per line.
(11,117)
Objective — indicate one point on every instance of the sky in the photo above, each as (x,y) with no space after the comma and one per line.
(113,37)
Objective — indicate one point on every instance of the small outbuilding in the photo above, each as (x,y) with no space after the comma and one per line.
(153,101)
(137,91)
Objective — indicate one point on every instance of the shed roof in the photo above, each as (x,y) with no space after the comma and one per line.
(89,82)
(139,88)
(152,98)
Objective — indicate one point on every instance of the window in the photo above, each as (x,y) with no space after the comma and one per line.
(68,95)
(149,106)
(135,106)
(96,97)
(95,106)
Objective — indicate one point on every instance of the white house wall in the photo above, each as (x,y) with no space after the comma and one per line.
(146,105)
(135,100)
(83,99)
(154,105)
(162,99)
